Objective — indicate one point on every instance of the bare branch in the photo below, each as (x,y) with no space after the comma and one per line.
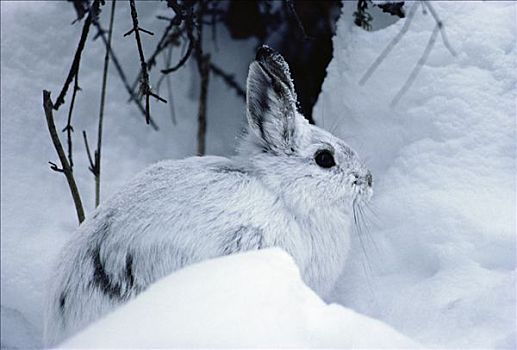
(185,13)
(169,88)
(53,166)
(92,167)
(390,46)
(167,59)
(229,79)
(203,64)
(74,69)
(418,67)
(102,33)
(101,113)
(182,61)
(163,43)
(68,128)
(299,23)
(440,25)
(65,166)
(145,88)
(204,71)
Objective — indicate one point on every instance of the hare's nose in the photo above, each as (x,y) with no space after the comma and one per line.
(365,179)
(369,178)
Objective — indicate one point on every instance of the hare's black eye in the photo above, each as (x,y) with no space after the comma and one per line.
(324,159)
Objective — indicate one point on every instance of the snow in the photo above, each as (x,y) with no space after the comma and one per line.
(37,214)
(440,263)
(255,299)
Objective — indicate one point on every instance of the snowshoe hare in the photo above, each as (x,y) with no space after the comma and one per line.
(292,185)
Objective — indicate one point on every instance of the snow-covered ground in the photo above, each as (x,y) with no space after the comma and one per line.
(439,265)
(441,262)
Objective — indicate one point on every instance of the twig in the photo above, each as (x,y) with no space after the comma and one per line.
(121,73)
(439,23)
(299,23)
(229,79)
(389,47)
(91,160)
(203,64)
(101,112)
(418,67)
(164,42)
(185,13)
(68,128)
(145,89)
(182,61)
(167,59)
(204,71)
(65,166)
(74,69)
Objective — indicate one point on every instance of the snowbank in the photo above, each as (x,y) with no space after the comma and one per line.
(440,264)
(256,299)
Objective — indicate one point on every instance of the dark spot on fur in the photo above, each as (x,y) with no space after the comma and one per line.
(243,239)
(102,280)
(129,271)
(62,301)
(229,169)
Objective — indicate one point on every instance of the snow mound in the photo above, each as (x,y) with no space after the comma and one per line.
(255,299)
(442,265)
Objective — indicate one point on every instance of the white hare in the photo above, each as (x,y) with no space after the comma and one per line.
(292,185)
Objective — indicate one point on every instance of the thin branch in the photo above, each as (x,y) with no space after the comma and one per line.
(390,46)
(203,64)
(410,80)
(185,13)
(204,71)
(74,69)
(68,128)
(92,166)
(164,42)
(299,23)
(229,79)
(101,112)
(121,73)
(145,88)
(440,25)
(182,61)
(167,60)
(170,96)
(53,166)
(140,29)
(65,166)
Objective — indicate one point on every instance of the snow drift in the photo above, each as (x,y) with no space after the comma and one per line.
(440,263)
(255,299)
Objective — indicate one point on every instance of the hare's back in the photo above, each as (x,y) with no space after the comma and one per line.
(193,201)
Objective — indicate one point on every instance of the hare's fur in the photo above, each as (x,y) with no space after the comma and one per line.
(177,213)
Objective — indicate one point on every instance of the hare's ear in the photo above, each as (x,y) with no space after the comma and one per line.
(271,101)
